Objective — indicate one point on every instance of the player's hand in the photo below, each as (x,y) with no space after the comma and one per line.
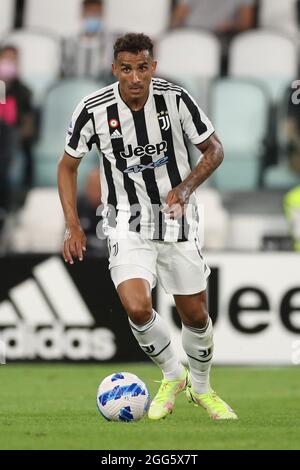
(176,202)
(74,244)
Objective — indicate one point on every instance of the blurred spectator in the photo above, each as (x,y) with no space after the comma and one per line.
(292,130)
(7,142)
(225,18)
(16,121)
(292,212)
(85,55)
(87,205)
(218,16)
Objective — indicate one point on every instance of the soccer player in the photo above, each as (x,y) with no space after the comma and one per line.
(139,125)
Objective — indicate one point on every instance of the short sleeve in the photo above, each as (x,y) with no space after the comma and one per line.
(80,133)
(194,122)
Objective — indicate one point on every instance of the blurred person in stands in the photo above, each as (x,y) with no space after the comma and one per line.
(225,18)
(291,204)
(291,129)
(85,54)
(87,205)
(218,16)
(16,122)
(290,132)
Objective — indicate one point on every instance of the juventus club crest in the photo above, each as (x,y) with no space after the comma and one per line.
(164,120)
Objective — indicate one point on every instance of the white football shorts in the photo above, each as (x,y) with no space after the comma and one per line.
(179,267)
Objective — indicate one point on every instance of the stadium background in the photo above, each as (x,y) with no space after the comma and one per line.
(50,312)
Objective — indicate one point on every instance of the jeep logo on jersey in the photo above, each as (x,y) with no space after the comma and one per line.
(151,166)
(141,151)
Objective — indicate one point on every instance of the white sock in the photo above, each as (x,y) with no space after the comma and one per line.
(198,345)
(155,341)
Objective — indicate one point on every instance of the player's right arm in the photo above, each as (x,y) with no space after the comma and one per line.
(74,240)
(78,142)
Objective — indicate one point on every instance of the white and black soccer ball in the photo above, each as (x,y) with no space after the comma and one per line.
(123,397)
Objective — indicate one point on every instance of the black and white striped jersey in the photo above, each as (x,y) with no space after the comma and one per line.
(143,155)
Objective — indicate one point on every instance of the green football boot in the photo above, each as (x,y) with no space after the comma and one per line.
(214,405)
(164,401)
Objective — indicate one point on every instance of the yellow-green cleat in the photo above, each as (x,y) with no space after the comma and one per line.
(164,401)
(214,405)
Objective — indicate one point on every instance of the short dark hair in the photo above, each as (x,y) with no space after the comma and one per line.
(87,3)
(133,42)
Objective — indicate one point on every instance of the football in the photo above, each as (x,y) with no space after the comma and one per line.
(123,397)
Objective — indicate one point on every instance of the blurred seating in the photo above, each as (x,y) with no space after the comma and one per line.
(57,111)
(286,173)
(7,10)
(239,110)
(215,217)
(40,224)
(199,53)
(222,18)
(40,58)
(248,231)
(200,60)
(280,177)
(56,16)
(264,55)
(282,113)
(134,16)
(279,15)
(217,16)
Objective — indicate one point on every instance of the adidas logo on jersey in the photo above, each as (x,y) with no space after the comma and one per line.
(116,135)
(46,317)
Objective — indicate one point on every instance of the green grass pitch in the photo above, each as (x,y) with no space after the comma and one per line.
(54,407)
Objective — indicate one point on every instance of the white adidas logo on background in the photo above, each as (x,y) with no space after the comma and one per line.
(46,317)
(116,135)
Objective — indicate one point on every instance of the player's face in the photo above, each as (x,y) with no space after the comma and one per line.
(92,11)
(134,72)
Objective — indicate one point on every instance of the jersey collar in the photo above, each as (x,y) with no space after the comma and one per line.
(124,106)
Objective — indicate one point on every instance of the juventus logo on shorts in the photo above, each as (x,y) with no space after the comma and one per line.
(149,349)
(115,249)
(164,120)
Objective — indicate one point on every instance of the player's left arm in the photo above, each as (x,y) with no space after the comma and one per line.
(213,156)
